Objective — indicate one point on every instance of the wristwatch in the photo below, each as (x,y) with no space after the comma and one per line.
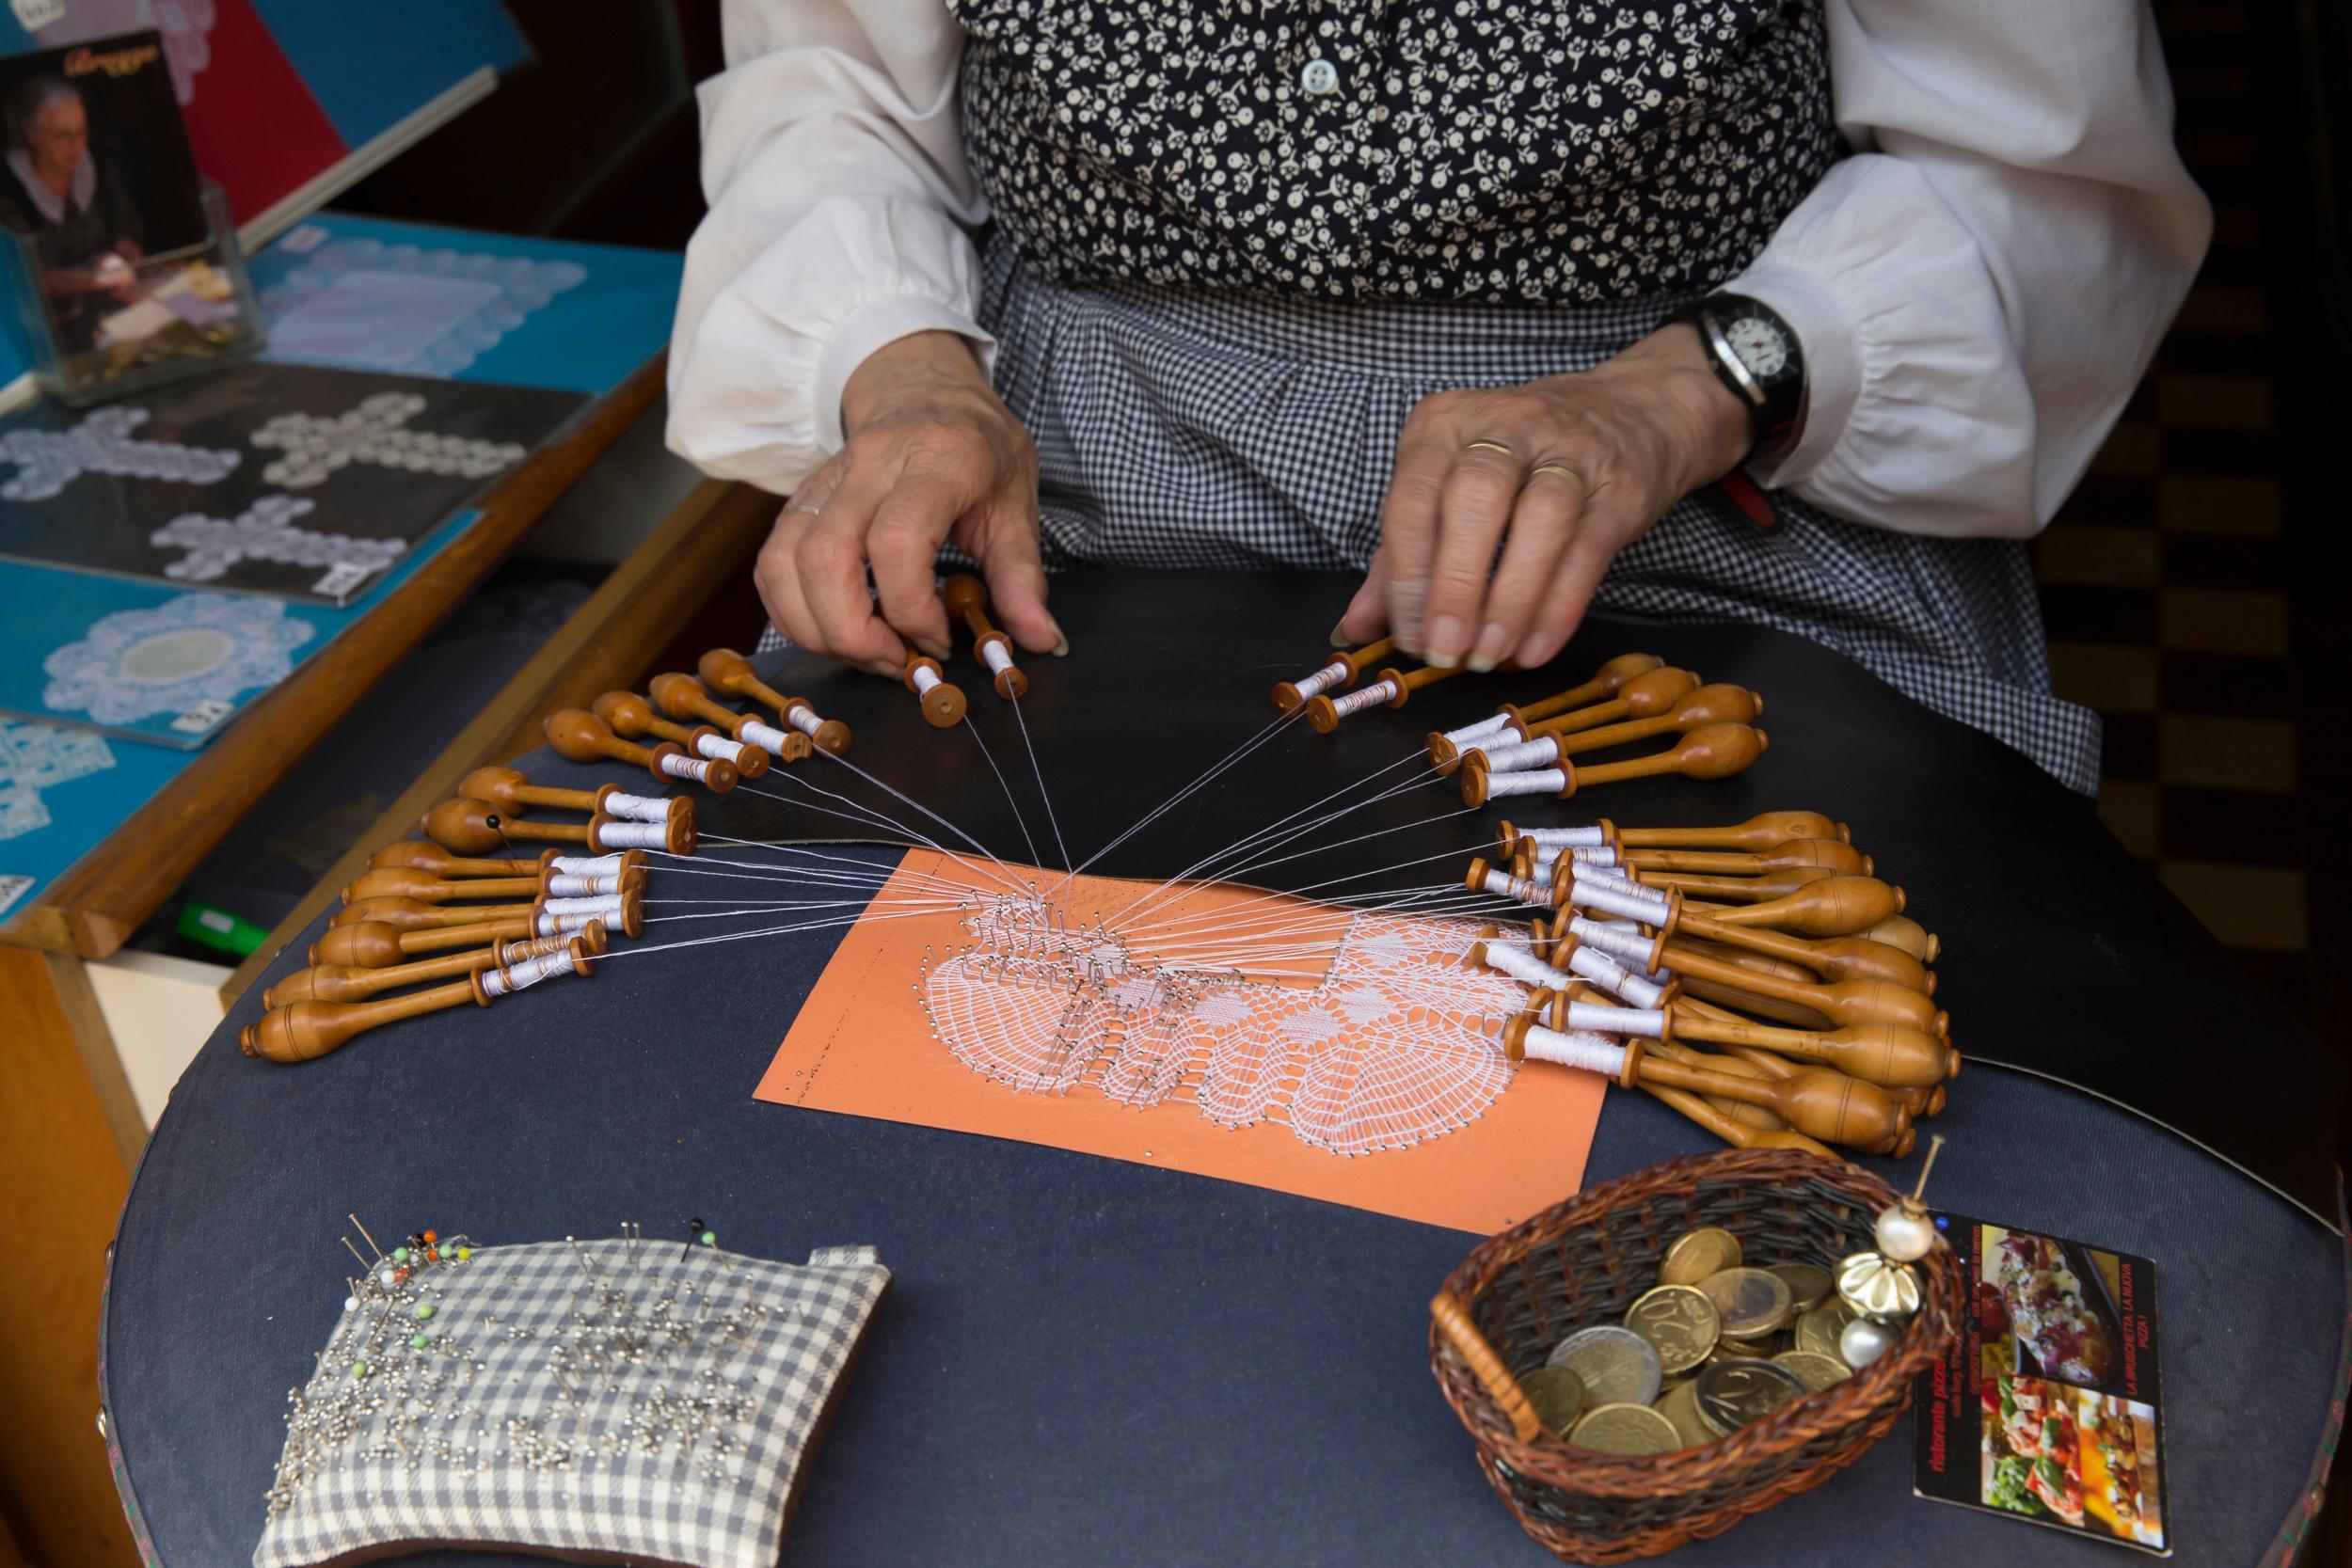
(1753,352)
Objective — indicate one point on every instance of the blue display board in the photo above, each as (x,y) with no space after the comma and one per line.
(407,299)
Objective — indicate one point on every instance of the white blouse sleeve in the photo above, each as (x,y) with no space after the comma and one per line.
(1979,289)
(833,166)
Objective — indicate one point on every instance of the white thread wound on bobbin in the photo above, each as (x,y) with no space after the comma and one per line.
(804,719)
(588,866)
(1622,943)
(634,836)
(1614,977)
(1591,1051)
(1524,966)
(924,680)
(999,659)
(719,746)
(1616,1020)
(529,972)
(565,885)
(548,922)
(609,903)
(1609,876)
(1593,854)
(1548,781)
(1586,894)
(1323,680)
(638,808)
(678,767)
(1503,885)
(765,737)
(1523,754)
(1565,838)
(1470,735)
(1370,696)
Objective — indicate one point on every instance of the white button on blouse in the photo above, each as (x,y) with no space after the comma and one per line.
(1320,78)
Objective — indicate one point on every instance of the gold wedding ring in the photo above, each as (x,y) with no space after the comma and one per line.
(1565,470)
(1490,446)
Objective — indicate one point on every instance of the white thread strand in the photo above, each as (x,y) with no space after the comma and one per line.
(990,758)
(1522,965)
(1587,1051)
(638,808)
(1030,746)
(1548,781)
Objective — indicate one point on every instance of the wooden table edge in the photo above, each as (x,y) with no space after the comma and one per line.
(93,907)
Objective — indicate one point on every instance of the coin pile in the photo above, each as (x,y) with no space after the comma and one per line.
(1715,1345)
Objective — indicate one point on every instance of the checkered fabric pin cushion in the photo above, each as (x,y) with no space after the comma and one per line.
(609,1401)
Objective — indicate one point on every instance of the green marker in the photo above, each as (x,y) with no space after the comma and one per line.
(215,927)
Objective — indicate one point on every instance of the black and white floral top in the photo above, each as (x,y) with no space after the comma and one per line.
(1557,151)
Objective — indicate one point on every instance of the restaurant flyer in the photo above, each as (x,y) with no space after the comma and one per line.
(2046,1406)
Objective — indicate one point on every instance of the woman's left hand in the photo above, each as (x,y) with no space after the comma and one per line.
(1562,474)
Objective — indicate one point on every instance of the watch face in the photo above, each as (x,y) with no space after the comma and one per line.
(1760,346)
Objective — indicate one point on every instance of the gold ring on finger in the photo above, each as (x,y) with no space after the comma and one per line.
(1565,470)
(1483,444)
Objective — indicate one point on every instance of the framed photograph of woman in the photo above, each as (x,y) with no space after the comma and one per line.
(122,260)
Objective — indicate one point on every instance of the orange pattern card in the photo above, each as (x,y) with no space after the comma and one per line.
(1343,1054)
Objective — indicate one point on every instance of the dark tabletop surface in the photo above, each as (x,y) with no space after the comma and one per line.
(1087,1361)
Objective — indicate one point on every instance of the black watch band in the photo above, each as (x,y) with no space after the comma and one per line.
(1755,353)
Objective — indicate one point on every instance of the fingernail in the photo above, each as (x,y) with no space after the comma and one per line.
(1493,643)
(939,651)
(1445,643)
(1061,641)
(1340,637)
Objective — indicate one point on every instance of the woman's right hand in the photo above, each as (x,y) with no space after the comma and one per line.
(931,454)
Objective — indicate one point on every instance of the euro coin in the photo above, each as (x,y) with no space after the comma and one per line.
(1733,1393)
(1557,1394)
(1626,1429)
(1680,1405)
(1696,1254)
(1680,1321)
(1750,1303)
(1808,1286)
(1814,1370)
(1615,1365)
(1818,1329)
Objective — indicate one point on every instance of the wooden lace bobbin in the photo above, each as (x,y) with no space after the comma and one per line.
(1885,1054)
(942,701)
(1818,1102)
(1738,890)
(421,854)
(372,945)
(676,837)
(1825,853)
(1445,748)
(1602,834)
(1824,957)
(1926,1102)
(505,979)
(683,697)
(1760,831)
(967,597)
(507,787)
(410,915)
(634,717)
(1394,689)
(1586,963)
(401,882)
(1714,752)
(582,737)
(1607,682)
(729,673)
(591,936)
(307,1030)
(620,911)
(1482,878)
(358,982)
(475,827)
(1706,704)
(1833,907)
(1842,1002)
(1737,1121)
(554,883)
(1645,696)
(1907,936)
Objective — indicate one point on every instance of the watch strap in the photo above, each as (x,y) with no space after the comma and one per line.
(1776,403)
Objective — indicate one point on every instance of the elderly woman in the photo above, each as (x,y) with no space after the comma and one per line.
(53,191)
(1799,311)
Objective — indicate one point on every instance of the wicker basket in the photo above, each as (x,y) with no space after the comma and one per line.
(1582,1262)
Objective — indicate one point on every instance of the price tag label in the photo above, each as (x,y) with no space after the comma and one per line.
(342,579)
(203,716)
